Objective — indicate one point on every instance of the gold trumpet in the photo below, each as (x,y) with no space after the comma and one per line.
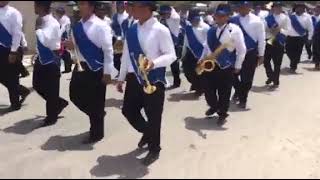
(75,51)
(209,62)
(148,88)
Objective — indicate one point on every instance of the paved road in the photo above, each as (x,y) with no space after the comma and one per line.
(277,138)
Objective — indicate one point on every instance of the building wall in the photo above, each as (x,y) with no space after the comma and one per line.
(26,8)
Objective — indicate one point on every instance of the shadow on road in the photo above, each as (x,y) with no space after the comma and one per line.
(286,72)
(183,97)
(263,89)
(112,102)
(311,69)
(67,143)
(25,126)
(199,124)
(234,108)
(125,166)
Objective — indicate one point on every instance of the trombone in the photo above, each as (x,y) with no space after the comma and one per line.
(75,51)
(148,88)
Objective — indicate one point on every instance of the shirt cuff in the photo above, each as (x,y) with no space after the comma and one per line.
(110,70)
(14,49)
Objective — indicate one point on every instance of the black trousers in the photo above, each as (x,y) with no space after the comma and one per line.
(117,61)
(88,93)
(308,47)
(46,82)
(9,76)
(316,46)
(175,67)
(294,48)
(275,54)
(66,57)
(217,86)
(243,82)
(134,100)
(189,67)
(22,69)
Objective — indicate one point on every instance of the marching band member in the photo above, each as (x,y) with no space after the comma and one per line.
(195,37)
(94,68)
(276,24)
(10,39)
(308,46)
(171,19)
(299,25)
(258,11)
(127,23)
(254,34)
(218,83)
(46,75)
(65,23)
(101,11)
(151,39)
(117,20)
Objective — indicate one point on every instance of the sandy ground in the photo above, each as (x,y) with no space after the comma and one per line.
(279,137)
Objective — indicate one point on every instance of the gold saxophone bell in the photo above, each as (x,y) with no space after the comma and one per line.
(271,40)
(148,88)
(207,65)
(118,47)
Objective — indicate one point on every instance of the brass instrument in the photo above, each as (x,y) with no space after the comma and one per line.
(148,88)
(75,51)
(209,62)
(118,46)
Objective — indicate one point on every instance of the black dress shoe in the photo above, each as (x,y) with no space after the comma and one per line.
(317,67)
(235,98)
(222,120)
(13,108)
(24,74)
(210,112)
(92,140)
(63,105)
(242,105)
(268,82)
(151,158)
(65,72)
(48,122)
(24,96)
(143,142)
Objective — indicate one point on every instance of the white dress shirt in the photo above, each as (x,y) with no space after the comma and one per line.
(262,14)
(99,33)
(306,22)
(64,22)
(11,19)
(283,22)
(174,22)
(121,17)
(156,43)
(49,34)
(209,19)
(254,27)
(107,20)
(201,33)
(24,42)
(233,35)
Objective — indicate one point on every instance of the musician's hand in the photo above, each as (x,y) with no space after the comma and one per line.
(106,79)
(120,86)
(68,44)
(237,71)
(149,65)
(260,60)
(12,58)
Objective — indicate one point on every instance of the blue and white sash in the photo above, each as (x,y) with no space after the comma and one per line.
(92,54)
(116,27)
(195,46)
(272,23)
(46,55)
(5,36)
(297,26)
(134,47)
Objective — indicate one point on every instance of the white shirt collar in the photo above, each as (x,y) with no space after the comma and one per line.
(149,22)
(90,20)
(46,17)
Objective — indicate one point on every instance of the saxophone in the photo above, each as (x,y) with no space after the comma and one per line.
(148,88)
(209,62)
(75,51)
